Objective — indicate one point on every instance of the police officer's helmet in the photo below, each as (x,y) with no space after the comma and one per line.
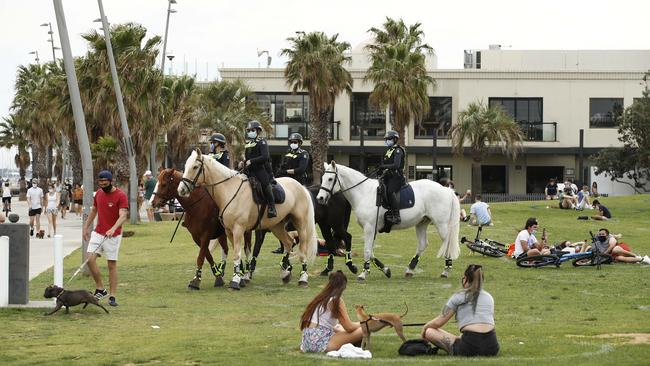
(218,137)
(390,134)
(295,137)
(254,125)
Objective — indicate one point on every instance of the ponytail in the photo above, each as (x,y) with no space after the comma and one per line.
(474,277)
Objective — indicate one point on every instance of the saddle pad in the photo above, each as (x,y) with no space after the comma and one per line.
(406,198)
(258,196)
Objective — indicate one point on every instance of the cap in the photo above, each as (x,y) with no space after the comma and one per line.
(105,174)
(147,173)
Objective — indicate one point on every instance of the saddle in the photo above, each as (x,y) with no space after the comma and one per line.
(406,197)
(258,194)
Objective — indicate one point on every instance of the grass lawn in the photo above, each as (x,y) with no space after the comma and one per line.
(546,316)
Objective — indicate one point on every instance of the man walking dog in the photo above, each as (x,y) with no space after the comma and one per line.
(110,205)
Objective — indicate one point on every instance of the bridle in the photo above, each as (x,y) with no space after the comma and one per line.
(191,184)
(337,180)
(168,199)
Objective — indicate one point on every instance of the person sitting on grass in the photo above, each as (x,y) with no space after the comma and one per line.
(621,252)
(474,309)
(583,199)
(480,213)
(325,323)
(603,212)
(550,191)
(526,245)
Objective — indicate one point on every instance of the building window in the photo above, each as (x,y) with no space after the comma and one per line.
(372,162)
(367,116)
(528,113)
(604,112)
(289,113)
(424,172)
(439,115)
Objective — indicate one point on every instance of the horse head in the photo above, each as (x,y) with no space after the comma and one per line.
(166,187)
(328,184)
(191,174)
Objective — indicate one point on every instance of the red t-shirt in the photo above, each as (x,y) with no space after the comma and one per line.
(108,209)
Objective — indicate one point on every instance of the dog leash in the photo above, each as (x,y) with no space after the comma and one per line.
(414,325)
(86,261)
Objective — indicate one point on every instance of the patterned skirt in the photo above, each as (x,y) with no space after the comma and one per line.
(315,339)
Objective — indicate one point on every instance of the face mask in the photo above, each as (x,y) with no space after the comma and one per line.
(212,146)
(293,146)
(251,134)
(108,188)
(534,232)
(51,190)
(602,239)
(389,143)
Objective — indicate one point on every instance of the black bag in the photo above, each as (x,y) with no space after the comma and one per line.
(415,347)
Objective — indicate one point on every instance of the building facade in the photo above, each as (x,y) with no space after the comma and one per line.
(553,95)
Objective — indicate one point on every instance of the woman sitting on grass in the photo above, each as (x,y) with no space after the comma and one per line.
(325,324)
(474,309)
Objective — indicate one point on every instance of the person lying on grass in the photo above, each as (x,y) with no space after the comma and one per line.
(621,252)
(325,323)
(474,309)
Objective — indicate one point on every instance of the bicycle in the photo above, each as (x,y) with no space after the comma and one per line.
(585,259)
(488,247)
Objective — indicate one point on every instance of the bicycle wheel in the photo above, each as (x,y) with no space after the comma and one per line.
(484,249)
(537,261)
(499,246)
(592,260)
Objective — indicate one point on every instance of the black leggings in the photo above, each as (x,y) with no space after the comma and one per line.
(476,344)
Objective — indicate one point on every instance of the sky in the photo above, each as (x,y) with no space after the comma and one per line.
(205,35)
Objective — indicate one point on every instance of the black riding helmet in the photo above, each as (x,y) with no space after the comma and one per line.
(295,137)
(390,134)
(254,125)
(218,137)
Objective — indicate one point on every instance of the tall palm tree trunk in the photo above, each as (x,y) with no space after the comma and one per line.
(39,164)
(318,136)
(75,162)
(476,177)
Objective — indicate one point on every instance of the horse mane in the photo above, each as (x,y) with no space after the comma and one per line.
(222,169)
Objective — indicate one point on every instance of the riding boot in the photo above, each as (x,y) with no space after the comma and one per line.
(394,204)
(270,201)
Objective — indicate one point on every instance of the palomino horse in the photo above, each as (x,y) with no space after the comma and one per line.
(201,220)
(433,204)
(239,213)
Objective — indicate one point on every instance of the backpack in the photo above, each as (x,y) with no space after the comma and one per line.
(415,347)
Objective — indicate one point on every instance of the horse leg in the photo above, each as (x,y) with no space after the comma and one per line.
(248,274)
(369,242)
(329,241)
(259,240)
(348,253)
(219,269)
(195,283)
(421,233)
(285,265)
(236,236)
(443,231)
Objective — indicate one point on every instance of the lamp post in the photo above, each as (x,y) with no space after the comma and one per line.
(37,59)
(434,165)
(152,158)
(51,40)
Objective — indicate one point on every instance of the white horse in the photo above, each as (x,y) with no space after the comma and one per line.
(238,213)
(433,204)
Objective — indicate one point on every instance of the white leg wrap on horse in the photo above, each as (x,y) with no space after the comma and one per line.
(304,277)
(236,278)
(363,275)
(247,276)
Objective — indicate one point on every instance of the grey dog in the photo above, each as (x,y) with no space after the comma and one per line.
(70,298)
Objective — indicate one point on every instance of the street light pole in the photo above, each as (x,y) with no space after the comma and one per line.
(128,144)
(152,162)
(51,40)
(434,165)
(37,59)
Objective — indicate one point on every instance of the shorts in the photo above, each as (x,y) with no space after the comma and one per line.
(522,255)
(6,199)
(78,202)
(315,339)
(109,246)
(624,247)
(53,211)
(35,211)
(476,344)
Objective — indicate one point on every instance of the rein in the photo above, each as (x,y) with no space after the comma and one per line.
(336,179)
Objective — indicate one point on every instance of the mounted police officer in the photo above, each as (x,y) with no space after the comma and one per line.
(392,173)
(258,163)
(218,149)
(294,162)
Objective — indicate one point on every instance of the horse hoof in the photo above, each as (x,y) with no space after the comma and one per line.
(195,284)
(234,285)
(353,268)
(325,273)
(242,283)
(192,286)
(303,284)
(408,274)
(286,278)
(247,277)
(444,274)
(387,272)
(363,275)
(218,282)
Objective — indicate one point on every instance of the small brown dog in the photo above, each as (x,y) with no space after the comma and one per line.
(70,298)
(40,234)
(375,322)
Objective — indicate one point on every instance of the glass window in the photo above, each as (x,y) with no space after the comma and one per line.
(604,112)
(364,114)
(372,162)
(521,109)
(424,172)
(439,114)
(289,113)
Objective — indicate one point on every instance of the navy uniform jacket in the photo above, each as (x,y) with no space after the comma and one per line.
(221,156)
(296,160)
(257,151)
(392,167)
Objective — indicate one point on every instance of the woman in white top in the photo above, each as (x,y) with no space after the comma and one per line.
(325,324)
(53,198)
(6,198)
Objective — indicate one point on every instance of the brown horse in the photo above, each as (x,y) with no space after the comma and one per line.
(232,192)
(200,219)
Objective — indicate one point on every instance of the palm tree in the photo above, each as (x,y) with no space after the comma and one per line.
(398,72)
(484,127)
(12,133)
(316,64)
(179,100)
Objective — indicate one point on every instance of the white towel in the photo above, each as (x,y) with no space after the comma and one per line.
(350,351)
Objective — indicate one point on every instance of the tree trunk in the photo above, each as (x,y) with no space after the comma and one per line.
(39,164)
(75,162)
(319,138)
(50,161)
(476,178)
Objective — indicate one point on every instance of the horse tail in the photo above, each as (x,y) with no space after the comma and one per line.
(309,246)
(450,247)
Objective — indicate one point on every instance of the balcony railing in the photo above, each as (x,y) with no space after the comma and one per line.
(539,131)
(282,130)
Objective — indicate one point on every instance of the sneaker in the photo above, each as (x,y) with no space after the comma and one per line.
(111,301)
(100,294)
(279,250)
(31,231)
(645,259)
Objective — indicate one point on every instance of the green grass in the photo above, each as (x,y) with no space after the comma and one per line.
(539,312)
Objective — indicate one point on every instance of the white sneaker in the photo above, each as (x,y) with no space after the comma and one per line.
(645,260)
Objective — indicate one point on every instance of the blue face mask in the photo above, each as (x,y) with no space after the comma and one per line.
(389,143)
(251,134)
(212,145)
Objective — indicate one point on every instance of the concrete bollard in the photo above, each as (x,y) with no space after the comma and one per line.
(18,261)
(58,260)
(4,271)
